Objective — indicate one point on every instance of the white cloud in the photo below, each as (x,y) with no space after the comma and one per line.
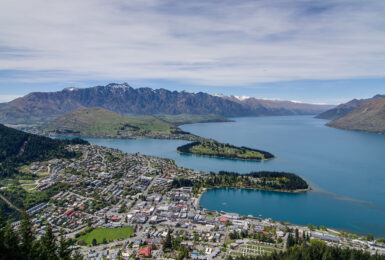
(206,42)
(7,98)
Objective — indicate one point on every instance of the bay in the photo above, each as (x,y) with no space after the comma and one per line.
(345,169)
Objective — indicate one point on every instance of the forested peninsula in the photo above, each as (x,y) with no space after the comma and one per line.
(214,148)
(263,180)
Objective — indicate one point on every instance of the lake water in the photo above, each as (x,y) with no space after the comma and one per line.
(345,169)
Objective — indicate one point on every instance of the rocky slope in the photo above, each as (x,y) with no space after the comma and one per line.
(344,109)
(369,117)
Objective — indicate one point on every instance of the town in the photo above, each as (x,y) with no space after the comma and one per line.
(117,205)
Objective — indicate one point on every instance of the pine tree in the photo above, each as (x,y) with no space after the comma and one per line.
(10,243)
(47,248)
(64,252)
(290,241)
(1,234)
(27,236)
(167,244)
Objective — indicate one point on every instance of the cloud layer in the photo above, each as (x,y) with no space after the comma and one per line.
(227,42)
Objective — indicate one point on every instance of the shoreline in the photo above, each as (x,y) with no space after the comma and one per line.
(256,189)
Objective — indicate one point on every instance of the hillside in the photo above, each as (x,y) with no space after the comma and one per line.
(344,109)
(370,117)
(18,148)
(39,107)
(99,122)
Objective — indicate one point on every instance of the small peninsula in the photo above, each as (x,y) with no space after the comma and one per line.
(214,148)
(263,180)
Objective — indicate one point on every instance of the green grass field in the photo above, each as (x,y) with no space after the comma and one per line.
(110,234)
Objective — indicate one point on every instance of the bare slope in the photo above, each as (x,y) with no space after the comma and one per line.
(346,108)
(370,117)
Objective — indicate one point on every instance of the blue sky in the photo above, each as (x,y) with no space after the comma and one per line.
(304,50)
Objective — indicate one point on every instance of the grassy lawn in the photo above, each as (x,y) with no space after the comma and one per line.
(29,187)
(26,182)
(109,234)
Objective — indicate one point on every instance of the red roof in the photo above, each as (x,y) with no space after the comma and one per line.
(146,251)
(115,218)
(69,212)
(223,219)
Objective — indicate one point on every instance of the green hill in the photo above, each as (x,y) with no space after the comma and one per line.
(370,117)
(19,148)
(99,122)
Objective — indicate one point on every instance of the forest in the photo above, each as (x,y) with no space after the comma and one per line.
(263,180)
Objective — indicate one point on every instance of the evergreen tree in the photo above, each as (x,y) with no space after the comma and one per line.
(290,241)
(167,244)
(27,236)
(47,249)
(64,252)
(1,234)
(10,243)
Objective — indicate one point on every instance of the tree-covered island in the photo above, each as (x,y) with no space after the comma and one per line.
(263,180)
(214,148)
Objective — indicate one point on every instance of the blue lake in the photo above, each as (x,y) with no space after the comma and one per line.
(345,169)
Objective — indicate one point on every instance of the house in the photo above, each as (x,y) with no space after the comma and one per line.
(145,251)
(224,219)
(115,218)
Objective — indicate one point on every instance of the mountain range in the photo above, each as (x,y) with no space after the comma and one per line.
(42,107)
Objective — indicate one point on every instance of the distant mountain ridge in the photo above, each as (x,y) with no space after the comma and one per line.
(345,108)
(369,117)
(42,107)
(277,107)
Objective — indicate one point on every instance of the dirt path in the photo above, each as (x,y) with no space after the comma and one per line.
(21,151)
(9,203)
